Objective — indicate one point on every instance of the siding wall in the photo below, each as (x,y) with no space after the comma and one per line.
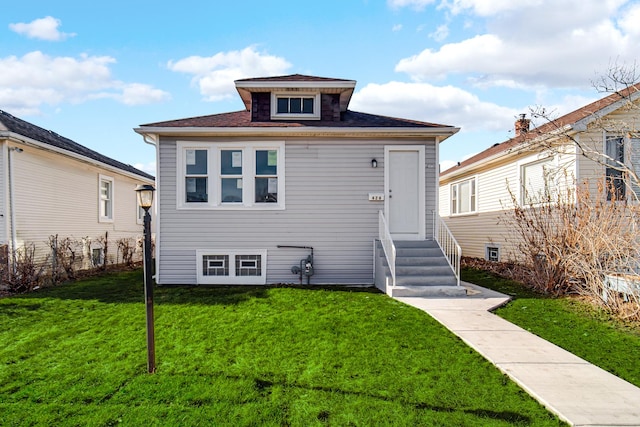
(494,202)
(4,202)
(57,195)
(327,207)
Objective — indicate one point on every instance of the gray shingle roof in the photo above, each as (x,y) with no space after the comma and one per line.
(29,130)
(350,119)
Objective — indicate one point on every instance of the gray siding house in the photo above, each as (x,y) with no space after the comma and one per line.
(292,189)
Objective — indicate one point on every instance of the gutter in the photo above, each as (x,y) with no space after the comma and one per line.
(306,131)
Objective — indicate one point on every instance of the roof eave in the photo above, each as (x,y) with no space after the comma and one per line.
(512,151)
(306,131)
(21,139)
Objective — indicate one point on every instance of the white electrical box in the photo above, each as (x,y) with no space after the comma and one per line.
(376,197)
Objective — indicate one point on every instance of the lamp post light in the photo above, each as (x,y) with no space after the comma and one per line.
(145,200)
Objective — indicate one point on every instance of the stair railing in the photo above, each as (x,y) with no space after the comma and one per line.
(388,247)
(448,244)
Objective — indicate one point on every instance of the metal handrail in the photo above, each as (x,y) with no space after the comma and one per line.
(388,247)
(449,245)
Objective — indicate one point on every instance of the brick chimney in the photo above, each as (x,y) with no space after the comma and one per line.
(522,125)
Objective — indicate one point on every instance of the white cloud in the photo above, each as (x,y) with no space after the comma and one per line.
(444,105)
(214,75)
(140,94)
(44,28)
(441,33)
(532,46)
(415,4)
(486,7)
(396,27)
(36,79)
(630,19)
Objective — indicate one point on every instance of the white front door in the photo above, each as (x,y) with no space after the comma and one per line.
(404,188)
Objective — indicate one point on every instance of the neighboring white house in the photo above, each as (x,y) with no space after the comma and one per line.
(570,150)
(51,185)
(289,189)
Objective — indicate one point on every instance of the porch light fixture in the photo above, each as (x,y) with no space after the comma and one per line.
(374,163)
(145,200)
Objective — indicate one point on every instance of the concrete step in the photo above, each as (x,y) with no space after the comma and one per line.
(440,261)
(416,244)
(428,291)
(418,252)
(423,270)
(422,280)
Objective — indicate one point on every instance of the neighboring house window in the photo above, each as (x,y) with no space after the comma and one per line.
(97,257)
(295,106)
(535,181)
(492,252)
(634,159)
(105,202)
(463,197)
(238,177)
(615,176)
(231,267)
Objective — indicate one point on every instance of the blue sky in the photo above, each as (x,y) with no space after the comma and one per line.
(92,71)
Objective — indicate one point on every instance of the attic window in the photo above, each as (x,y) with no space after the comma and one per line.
(295,106)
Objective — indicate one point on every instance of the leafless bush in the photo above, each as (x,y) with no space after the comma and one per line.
(25,274)
(65,253)
(126,248)
(104,242)
(572,240)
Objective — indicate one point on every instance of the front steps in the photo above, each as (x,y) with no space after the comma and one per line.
(422,270)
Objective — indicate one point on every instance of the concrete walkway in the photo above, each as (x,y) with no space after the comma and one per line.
(577,391)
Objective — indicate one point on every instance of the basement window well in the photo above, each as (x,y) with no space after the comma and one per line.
(246,267)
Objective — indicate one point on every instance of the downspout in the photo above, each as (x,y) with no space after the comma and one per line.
(153,139)
(12,210)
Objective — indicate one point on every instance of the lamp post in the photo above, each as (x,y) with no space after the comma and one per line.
(145,200)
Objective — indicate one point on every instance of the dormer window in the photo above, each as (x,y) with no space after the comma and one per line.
(295,106)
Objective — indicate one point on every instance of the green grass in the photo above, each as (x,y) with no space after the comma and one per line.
(584,330)
(242,356)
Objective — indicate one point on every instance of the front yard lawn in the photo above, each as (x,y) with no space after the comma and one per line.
(570,323)
(274,356)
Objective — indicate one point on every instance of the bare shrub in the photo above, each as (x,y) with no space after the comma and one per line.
(104,243)
(572,240)
(65,254)
(26,274)
(126,248)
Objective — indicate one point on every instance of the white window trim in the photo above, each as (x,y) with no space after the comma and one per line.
(317,107)
(102,218)
(475,207)
(231,279)
(214,183)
